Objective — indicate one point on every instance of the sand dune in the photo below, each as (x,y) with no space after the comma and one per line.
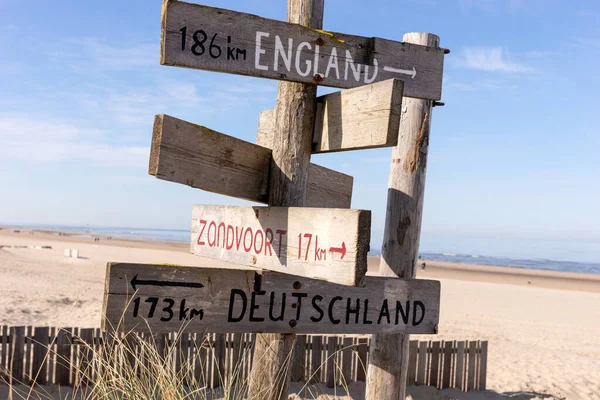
(543,327)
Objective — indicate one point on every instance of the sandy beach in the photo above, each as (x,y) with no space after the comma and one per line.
(543,327)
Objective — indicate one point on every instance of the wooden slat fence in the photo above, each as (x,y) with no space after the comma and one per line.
(58,356)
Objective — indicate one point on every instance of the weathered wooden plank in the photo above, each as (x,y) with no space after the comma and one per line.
(27,378)
(413,349)
(298,361)
(17,349)
(232,300)
(63,355)
(459,381)
(434,371)
(361,368)
(346,363)
(332,363)
(235,369)
(361,118)
(200,357)
(328,188)
(85,356)
(316,368)
(219,352)
(472,356)
(323,243)
(483,366)
(4,348)
(39,368)
(447,365)
(422,365)
(208,38)
(199,157)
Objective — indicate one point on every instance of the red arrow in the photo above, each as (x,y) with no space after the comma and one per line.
(339,250)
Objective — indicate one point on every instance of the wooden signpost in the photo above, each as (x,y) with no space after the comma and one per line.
(171,299)
(214,39)
(322,243)
(366,117)
(199,157)
(311,261)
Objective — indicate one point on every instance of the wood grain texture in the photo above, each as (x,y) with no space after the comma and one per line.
(483,366)
(321,243)
(399,252)
(459,380)
(235,300)
(471,365)
(366,117)
(288,184)
(446,374)
(246,44)
(199,157)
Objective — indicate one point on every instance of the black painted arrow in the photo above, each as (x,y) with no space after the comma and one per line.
(138,282)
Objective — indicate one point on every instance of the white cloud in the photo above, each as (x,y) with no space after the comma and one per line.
(489,59)
(26,138)
(482,85)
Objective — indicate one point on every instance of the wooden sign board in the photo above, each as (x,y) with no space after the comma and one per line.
(199,157)
(153,298)
(323,243)
(366,117)
(214,39)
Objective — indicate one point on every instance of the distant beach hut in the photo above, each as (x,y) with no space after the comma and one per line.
(67,252)
(75,253)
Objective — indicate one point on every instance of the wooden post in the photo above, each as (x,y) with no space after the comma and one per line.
(295,114)
(388,361)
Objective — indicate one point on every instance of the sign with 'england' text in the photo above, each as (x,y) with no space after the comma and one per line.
(154,298)
(322,243)
(214,39)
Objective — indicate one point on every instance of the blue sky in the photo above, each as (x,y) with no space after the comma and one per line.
(514,153)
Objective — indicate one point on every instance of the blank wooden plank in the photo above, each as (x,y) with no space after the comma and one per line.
(459,381)
(472,356)
(411,375)
(332,365)
(27,378)
(200,356)
(250,45)
(447,365)
(361,118)
(322,243)
(219,360)
(362,364)
(85,355)
(17,350)
(234,300)
(4,347)
(435,362)
(63,353)
(422,364)
(236,353)
(199,157)
(482,384)
(346,361)
(316,369)
(327,188)
(298,361)
(39,368)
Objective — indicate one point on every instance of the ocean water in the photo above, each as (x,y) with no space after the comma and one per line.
(555,255)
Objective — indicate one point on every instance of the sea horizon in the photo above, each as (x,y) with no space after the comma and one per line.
(485,251)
